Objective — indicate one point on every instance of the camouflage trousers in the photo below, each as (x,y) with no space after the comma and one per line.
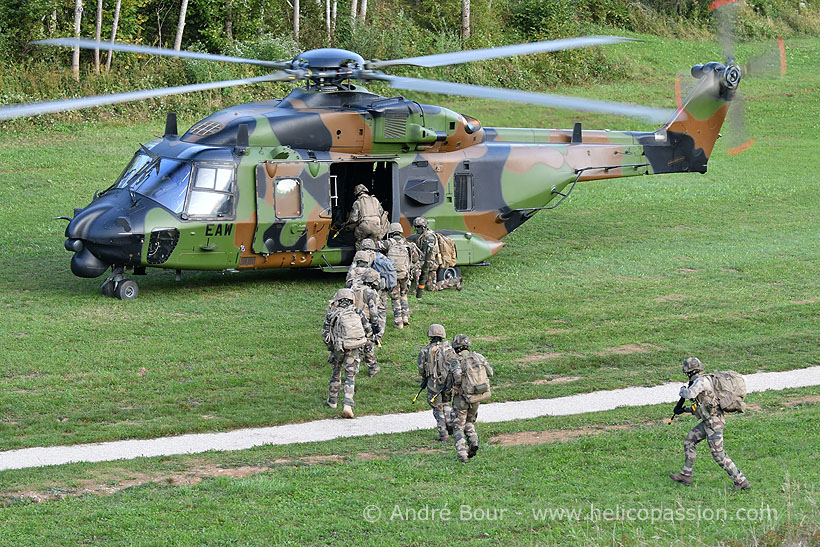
(429,275)
(398,297)
(712,431)
(369,358)
(366,230)
(441,408)
(464,415)
(349,360)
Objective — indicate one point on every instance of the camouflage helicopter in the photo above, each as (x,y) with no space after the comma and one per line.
(268,184)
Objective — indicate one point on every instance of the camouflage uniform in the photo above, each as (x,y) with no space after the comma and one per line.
(702,392)
(356,272)
(398,294)
(340,358)
(434,362)
(428,256)
(366,214)
(464,413)
(376,315)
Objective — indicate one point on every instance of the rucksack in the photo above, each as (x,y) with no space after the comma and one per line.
(399,254)
(475,384)
(447,251)
(347,330)
(386,269)
(730,389)
(434,366)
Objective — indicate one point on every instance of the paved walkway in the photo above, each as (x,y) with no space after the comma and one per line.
(324,430)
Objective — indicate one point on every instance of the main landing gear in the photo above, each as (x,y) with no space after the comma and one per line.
(120,286)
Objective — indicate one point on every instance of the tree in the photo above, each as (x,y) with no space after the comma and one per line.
(465,19)
(354,7)
(363,11)
(113,34)
(97,37)
(181,25)
(296,20)
(75,59)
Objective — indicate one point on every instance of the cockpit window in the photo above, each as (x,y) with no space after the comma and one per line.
(212,191)
(165,181)
(138,163)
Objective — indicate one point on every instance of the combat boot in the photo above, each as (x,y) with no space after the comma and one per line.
(398,323)
(371,372)
(472,451)
(742,485)
(463,457)
(347,411)
(680,477)
(406,319)
(442,436)
(331,404)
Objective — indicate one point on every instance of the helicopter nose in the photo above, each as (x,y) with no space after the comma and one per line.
(85,264)
(74,245)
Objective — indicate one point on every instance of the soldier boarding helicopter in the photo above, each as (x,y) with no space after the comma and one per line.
(267,184)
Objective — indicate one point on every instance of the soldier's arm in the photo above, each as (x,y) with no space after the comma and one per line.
(420,361)
(368,330)
(699,385)
(326,331)
(355,214)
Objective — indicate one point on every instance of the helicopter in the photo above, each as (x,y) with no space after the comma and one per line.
(269,184)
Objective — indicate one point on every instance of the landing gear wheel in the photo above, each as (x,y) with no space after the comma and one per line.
(108,288)
(127,289)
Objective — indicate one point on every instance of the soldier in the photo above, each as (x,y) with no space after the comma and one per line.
(702,393)
(345,332)
(367,297)
(366,214)
(361,265)
(470,380)
(428,258)
(404,254)
(434,363)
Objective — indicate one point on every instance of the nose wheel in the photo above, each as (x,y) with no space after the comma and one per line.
(119,286)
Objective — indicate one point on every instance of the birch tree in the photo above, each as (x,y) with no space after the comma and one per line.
(354,9)
(363,11)
(75,58)
(465,19)
(181,25)
(97,37)
(296,19)
(113,34)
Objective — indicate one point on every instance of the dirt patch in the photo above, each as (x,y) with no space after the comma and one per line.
(558,380)
(809,301)
(538,357)
(671,298)
(628,349)
(551,435)
(810,399)
(488,338)
(686,270)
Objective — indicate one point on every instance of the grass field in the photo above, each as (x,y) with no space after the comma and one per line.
(611,289)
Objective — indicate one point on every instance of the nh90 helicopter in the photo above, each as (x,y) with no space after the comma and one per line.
(268,184)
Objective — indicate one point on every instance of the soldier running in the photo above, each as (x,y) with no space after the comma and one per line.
(470,381)
(701,391)
(434,363)
(345,332)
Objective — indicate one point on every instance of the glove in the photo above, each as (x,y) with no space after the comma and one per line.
(419,291)
(678,411)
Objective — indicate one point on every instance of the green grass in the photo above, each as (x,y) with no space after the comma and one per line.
(623,468)
(722,265)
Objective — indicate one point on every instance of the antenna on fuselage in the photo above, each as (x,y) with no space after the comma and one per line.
(171,125)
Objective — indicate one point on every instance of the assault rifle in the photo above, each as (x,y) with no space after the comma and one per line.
(423,385)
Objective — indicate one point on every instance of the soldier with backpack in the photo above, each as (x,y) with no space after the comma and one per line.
(366,214)
(345,333)
(711,396)
(361,265)
(403,254)
(366,298)
(470,380)
(428,259)
(434,363)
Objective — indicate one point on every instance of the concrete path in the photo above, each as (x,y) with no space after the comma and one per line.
(324,430)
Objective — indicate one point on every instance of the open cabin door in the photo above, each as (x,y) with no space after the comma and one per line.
(291,207)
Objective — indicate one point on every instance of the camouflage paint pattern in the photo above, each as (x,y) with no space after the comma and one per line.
(304,152)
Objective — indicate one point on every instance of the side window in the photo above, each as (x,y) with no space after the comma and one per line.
(463,197)
(212,192)
(288,197)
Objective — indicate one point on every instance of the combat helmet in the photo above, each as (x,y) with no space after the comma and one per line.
(395,228)
(692,365)
(420,223)
(343,294)
(368,244)
(359,189)
(461,342)
(437,331)
(371,277)
(361,256)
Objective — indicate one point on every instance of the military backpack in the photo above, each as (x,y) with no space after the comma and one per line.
(347,330)
(447,251)
(475,384)
(730,389)
(435,366)
(400,255)
(386,269)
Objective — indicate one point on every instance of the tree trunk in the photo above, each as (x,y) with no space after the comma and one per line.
(327,21)
(229,21)
(113,34)
(52,25)
(97,37)
(465,19)
(296,19)
(75,59)
(363,11)
(181,25)
(354,8)
(333,17)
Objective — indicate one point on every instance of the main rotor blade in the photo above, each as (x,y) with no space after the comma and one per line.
(457,57)
(33,109)
(87,43)
(650,114)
